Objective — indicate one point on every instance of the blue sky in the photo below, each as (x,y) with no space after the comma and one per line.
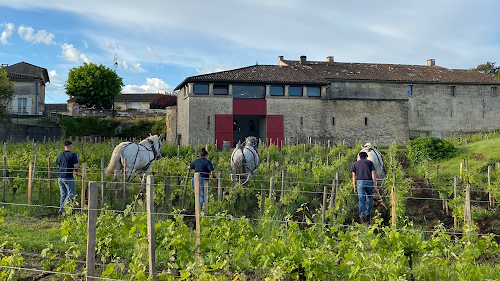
(160,43)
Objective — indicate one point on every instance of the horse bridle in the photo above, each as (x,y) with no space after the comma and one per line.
(155,152)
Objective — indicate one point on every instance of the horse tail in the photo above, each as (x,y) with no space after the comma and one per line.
(115,161)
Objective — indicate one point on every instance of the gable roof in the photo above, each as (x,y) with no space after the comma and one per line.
(29,69)
(321,72)
(129,98)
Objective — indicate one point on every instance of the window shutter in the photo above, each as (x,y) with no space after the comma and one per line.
(13,109)
(29,107)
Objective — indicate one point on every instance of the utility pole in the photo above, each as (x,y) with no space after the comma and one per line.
(116,66)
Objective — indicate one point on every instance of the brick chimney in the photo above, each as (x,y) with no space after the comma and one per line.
(280,60)
(329,59)
(303,59)
(431,62)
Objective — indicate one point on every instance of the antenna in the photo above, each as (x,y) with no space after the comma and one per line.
(116,61)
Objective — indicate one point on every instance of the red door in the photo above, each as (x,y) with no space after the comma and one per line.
(275,130)
(223,129)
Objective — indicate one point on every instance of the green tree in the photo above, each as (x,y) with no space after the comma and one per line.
(6,94)
(93,86)
(488,68)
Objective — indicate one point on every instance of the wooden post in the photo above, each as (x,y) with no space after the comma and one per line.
(490,195)
(233,192)
(185,189)
(335,184)
(282,183)
(4,175)
(124,188)
(219,185)
(268,159)
(197,210)
(461,169)
(84,176)
(467,210)
(150,209)
(34,167)
(271,188)
(393,206)
(178,150)
(323,209)
(167,191)
(30,184)
(262,199)
(205,197)
(91,230)
(454,197)
(103,183)
(426,172)
(49,175)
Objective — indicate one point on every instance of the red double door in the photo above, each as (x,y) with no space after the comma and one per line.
(224,129)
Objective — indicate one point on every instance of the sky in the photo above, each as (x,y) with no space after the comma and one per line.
(158,43)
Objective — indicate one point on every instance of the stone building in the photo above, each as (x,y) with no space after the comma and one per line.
(122,103)
(327,100)
(29,88)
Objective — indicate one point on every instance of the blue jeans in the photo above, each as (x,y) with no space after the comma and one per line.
(67,187)
(202,190)
(365,192)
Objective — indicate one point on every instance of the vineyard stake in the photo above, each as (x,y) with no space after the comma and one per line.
(197,210)
(262,199)
(84,175)
(30,169)
(393,203)
(335,184)
(91,230)
(282,183)
(467,211)
(205,197)
(103,183)
(185,189)
(167,191)
(271,188)
(178,150)
(233,192)
(49,175)
(4,176)
(323,208)
(219,185)
(124,193)
(490,196)
(34,168)
(150,209)
(454,197)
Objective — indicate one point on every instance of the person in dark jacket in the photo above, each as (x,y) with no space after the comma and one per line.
(203,166)
(68,163)
(363,171)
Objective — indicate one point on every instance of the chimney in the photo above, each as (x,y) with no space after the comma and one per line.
(5,64)
(431,62)
(329,59)
(303,59)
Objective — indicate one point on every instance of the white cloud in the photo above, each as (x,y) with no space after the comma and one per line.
(122,64)
(9,27)
(137,68)
(55,79)
(85,44)
(209,68)
(111,45)
(70,53)
(152,55)
(153,85)
(28,34)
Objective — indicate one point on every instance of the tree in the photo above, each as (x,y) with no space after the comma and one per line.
(160,101)
(94,86)
(488,68)
(6,94)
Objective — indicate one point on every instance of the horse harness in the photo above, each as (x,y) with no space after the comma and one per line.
(245,160)
(153,149)
(378,158)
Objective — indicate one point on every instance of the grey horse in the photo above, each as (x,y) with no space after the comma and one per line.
(245,160)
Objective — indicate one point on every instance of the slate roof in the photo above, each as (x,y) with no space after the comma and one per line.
(321,72)
(29,69)
(21,77)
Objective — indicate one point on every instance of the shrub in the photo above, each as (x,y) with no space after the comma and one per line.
(160,101)
(429,147)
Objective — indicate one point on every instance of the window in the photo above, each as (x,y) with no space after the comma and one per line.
(22,106)
(333,121)
(493,91)
(452,91)
(295,91)
(235,125)
(201,89)
(301,121)
(221,89)
(366,121)
(249,92)
(410,90)
(313,92)
(276,91)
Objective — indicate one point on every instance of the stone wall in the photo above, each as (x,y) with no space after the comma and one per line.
(386,119)
(171,122)
(432,109)
(18,133)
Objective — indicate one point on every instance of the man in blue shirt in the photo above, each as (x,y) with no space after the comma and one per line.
(203,166)
(364,172)
(67,162)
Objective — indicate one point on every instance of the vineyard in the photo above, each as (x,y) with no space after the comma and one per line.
(295,220)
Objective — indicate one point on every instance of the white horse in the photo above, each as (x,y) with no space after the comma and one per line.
(245,160)
(376,157)
(138,158)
